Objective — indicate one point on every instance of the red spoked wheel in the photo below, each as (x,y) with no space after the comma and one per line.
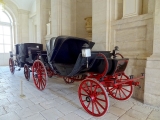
(26,72)
(39,74)
(11,65)
(122,91)
(93,97)
(68,80)
(49,72)
(80,77)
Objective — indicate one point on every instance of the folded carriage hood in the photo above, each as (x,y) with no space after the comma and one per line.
(55,44)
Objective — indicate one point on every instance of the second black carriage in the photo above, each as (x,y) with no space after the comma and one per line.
(24,56)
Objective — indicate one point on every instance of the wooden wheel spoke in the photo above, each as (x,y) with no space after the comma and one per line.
(101,99)
(119,93)
(86,86)
(42,84)
(97,108)
(99,93)
(95,89)
(92,107)
(112,89)
(125,89)
(85,90)
(124,93)
(116,92)
(38,84)
(100,105)
(84,94)
(91,87)
(88,104)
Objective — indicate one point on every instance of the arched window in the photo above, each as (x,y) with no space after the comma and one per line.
(5,32)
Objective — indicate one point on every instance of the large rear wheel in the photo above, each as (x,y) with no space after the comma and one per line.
(11,65)
(93,97)
(39,74)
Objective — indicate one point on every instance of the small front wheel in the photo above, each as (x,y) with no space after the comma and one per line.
(122,91)
(39,74)
(26,72)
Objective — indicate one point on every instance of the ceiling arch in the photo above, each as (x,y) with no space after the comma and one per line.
(23,4)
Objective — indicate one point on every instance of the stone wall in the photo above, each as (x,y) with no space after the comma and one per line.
(134,36)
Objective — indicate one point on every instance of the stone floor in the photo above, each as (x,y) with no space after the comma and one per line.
(59,101)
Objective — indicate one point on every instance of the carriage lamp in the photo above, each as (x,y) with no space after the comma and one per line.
(116,49)
(86,52)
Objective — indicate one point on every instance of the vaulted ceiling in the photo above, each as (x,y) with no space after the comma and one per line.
(23,4)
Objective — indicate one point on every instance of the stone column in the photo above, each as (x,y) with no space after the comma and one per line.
(62,17)
(42,8)
(152,71)
(101,13)
(101,23)
(131,8)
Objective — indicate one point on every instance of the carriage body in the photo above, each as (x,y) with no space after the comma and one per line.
(101,73)
(24,56)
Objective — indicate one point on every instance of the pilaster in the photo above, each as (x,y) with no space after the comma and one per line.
(152,82)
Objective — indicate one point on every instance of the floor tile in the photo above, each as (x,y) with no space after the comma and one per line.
(126,117)
(71,116)
(136,114)
(155,115)
(10,116)
(35,117)
(51,114)
(60,101)
(2,111)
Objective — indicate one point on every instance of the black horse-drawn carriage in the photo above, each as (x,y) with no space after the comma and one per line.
(25,55)
(100,72)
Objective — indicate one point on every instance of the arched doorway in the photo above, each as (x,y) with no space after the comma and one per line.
(6,37)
